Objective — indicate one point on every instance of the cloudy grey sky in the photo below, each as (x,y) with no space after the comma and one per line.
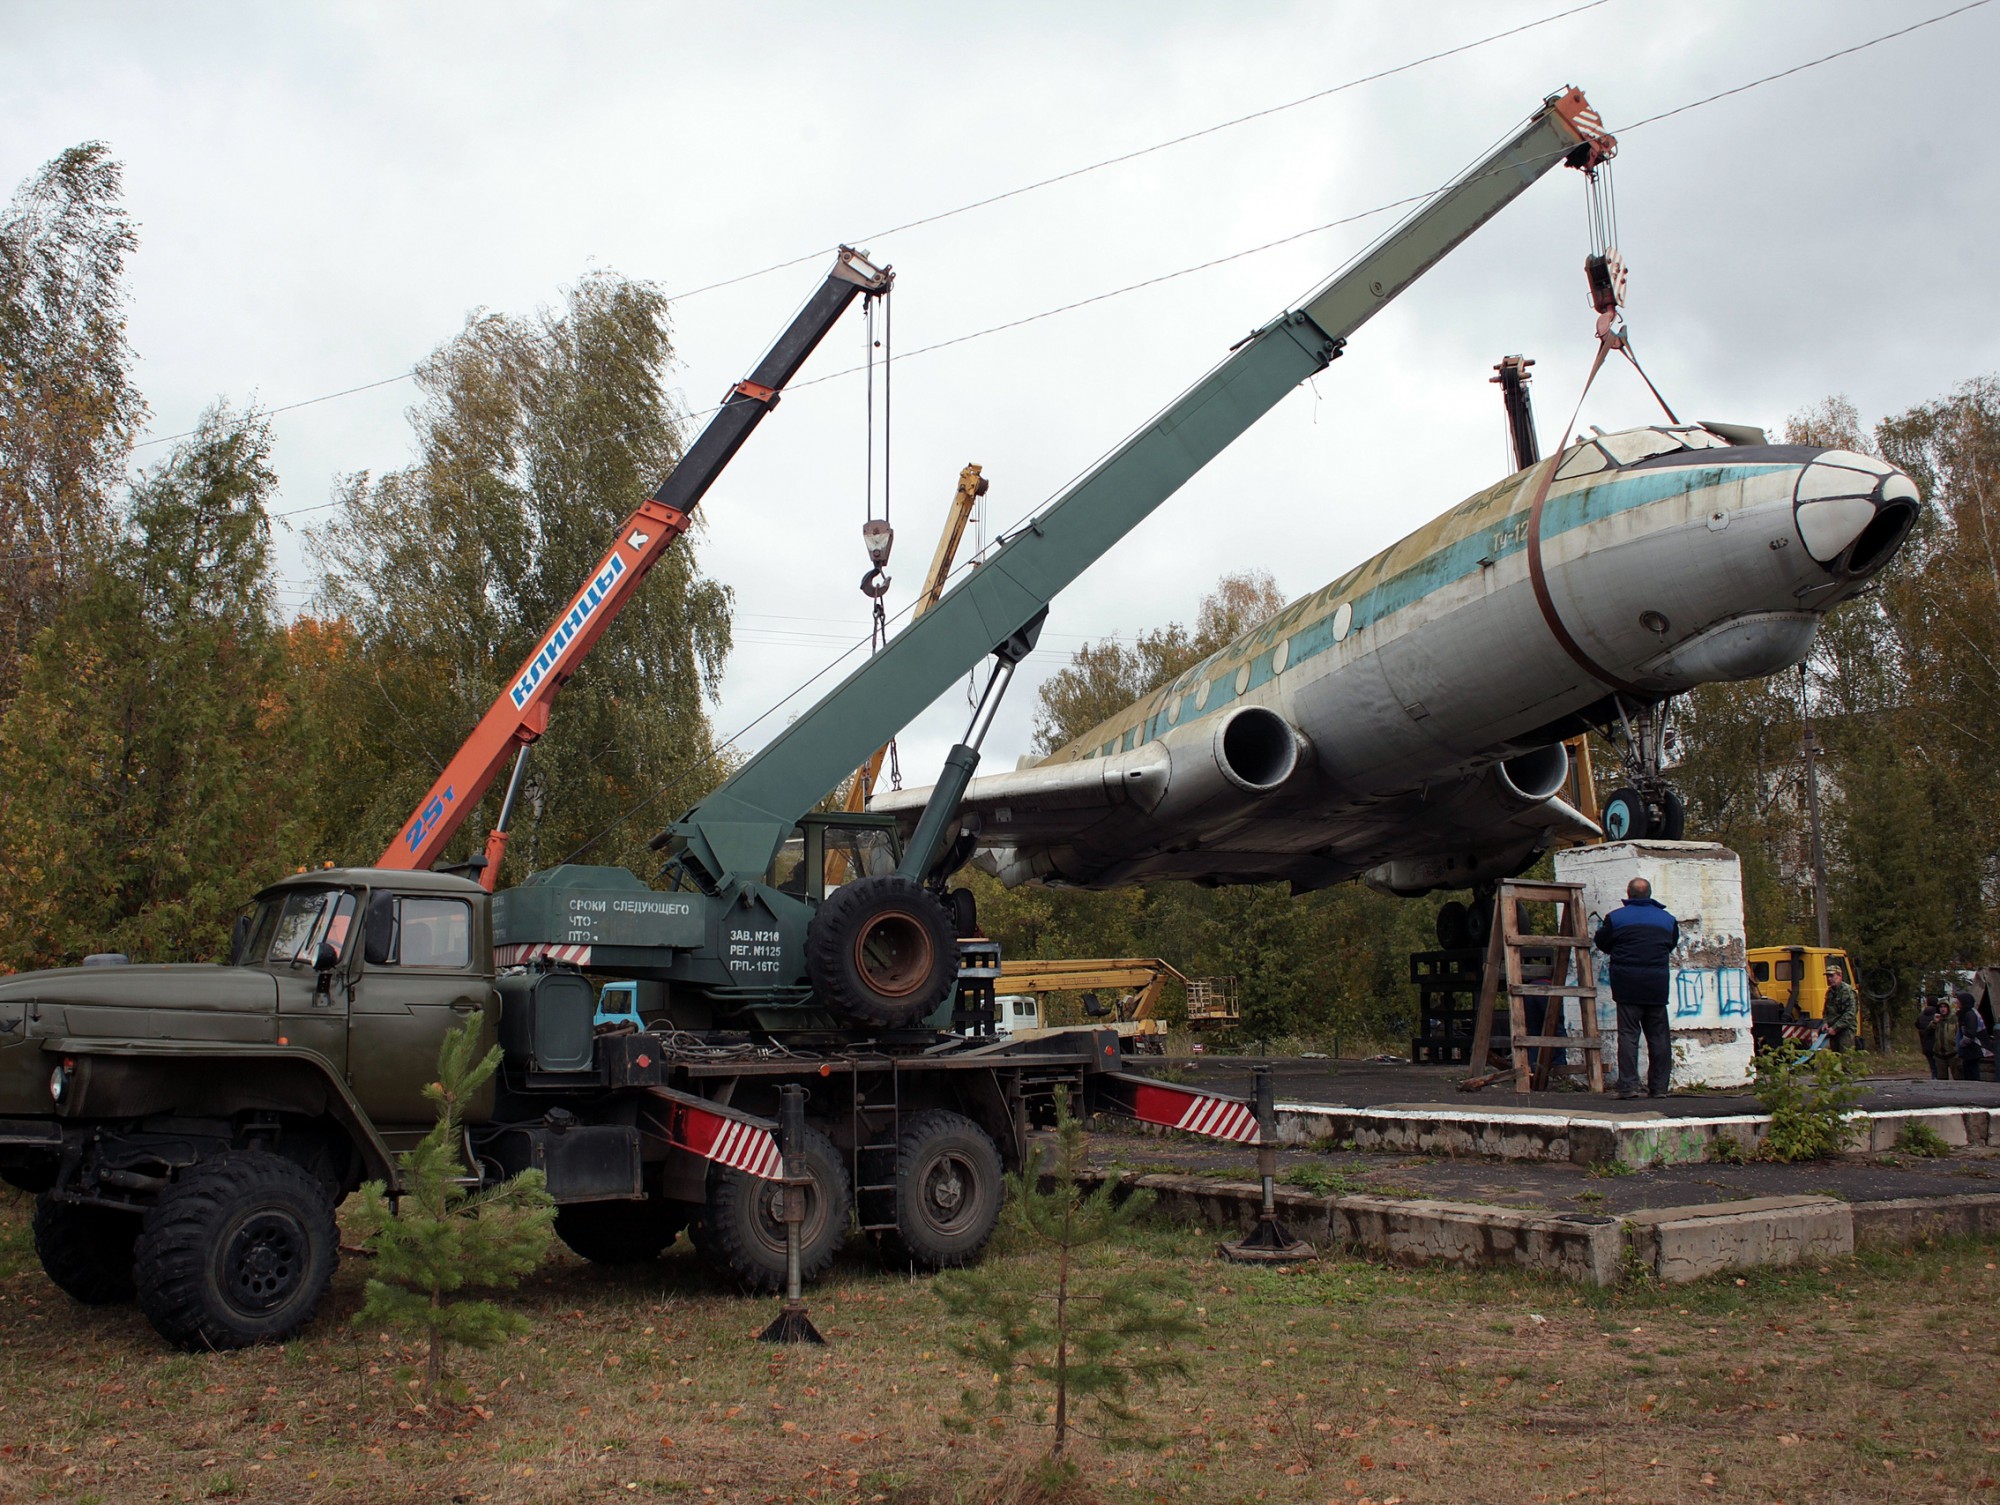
(326,191)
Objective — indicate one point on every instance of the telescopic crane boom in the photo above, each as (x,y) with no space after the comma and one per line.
(520,714)
(730,837)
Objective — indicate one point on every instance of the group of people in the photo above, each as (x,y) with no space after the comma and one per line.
(1953,1031)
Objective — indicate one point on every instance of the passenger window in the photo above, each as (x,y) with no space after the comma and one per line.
(1761,971)
(430,933)
(1784,971)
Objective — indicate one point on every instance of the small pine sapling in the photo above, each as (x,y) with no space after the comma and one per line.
(1062,1333)
(441,1235)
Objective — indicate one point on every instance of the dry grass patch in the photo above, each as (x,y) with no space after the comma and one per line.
(1870,1379)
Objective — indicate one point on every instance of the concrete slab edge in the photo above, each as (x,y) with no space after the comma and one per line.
(1672,1244)
(1594,1138)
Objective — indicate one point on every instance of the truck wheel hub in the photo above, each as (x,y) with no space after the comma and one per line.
(262,1261)
(944,1189)
(893,953)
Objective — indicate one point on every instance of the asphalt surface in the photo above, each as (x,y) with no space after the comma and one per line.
(1371,1084)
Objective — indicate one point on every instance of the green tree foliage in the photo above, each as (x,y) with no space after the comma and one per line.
(1811,1098)
(1062,1335)
(145,764)
(68,406)
(535,438)
(439,1237)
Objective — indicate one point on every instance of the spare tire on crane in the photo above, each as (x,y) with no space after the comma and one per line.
(880,952)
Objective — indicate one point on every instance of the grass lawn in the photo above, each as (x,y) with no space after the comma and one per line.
(1866,1379)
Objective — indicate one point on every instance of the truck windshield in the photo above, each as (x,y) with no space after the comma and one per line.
(287,928)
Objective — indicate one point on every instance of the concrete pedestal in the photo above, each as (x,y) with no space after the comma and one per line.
(1701,884)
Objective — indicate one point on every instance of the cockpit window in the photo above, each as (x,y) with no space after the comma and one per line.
(1632,446)
(1583,460)
(1640,444)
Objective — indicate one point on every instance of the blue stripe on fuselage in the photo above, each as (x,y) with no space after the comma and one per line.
(1607,497)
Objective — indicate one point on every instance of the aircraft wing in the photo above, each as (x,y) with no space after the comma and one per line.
(1101,821)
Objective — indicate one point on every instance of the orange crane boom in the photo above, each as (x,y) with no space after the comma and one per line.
(520,713)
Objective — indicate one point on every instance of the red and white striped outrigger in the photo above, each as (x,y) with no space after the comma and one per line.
(738,1140)
(1174,1107)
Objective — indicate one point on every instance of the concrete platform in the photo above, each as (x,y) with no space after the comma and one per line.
(1406,1109)
(1671,1244)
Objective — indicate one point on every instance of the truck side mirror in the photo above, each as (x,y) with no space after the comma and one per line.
(325,959)
(239,939)
(378,936)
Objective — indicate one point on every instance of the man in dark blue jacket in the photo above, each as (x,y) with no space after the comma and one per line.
(1639,936)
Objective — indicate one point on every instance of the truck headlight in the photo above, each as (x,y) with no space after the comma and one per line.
(58,1083)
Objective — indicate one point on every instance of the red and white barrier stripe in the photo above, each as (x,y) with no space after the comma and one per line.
(521,954)
(728,1138)
(1183,1108)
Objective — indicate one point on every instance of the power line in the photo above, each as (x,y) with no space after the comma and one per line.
(1200,266)
(1144,151)
(1026,188)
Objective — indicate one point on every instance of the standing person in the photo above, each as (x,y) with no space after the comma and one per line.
(1842,1016)
(1934,1037)
(1972,1033)
(1639,936)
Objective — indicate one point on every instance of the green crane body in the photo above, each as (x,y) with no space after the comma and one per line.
(736,950)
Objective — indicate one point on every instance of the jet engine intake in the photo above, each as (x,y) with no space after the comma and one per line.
(1532,777)
(1256,749)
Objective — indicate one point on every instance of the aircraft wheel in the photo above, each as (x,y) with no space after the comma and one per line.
(881,953)
(1454,925)
(1672,822)
(740,1233)
(1625,817)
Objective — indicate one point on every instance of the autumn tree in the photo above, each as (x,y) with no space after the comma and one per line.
(144,768)
(535,436)
(68,406)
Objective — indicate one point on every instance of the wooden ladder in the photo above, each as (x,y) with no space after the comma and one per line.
(1571,946)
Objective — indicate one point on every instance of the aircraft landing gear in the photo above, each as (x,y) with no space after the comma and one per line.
(1646,807)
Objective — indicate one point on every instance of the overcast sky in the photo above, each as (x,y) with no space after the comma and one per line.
(324,192)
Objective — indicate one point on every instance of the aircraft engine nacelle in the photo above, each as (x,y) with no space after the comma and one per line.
(1486,808)
(1253,752)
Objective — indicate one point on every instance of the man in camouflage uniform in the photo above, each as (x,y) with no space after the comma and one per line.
(1842,1018)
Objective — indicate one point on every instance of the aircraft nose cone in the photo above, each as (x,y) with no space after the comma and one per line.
(1853,512)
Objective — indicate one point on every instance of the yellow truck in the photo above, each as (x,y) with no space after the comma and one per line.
(1794,978)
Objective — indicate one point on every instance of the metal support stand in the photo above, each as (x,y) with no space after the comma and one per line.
(1270,1242)
(792,1325)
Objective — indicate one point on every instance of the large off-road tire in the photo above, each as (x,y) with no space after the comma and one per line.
(880,952)
(239,1250)
(739,1231)
(87,1251)
(620,1233)
(949,1188)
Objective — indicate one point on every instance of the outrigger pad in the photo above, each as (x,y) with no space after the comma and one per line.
(1269,1243)
(792,1325)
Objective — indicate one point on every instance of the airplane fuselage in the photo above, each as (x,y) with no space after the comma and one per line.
(1404,722)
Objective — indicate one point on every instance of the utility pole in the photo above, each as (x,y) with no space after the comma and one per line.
(1812,754)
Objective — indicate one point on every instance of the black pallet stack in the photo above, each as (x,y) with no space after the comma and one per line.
(1448,995)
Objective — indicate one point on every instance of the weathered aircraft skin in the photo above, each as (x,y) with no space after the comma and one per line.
(1404,723)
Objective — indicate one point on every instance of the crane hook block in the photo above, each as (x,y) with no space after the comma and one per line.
(878,537)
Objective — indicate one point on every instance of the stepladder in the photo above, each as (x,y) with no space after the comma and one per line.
(1546,970)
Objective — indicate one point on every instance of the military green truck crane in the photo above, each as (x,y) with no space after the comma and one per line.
(189,1130)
